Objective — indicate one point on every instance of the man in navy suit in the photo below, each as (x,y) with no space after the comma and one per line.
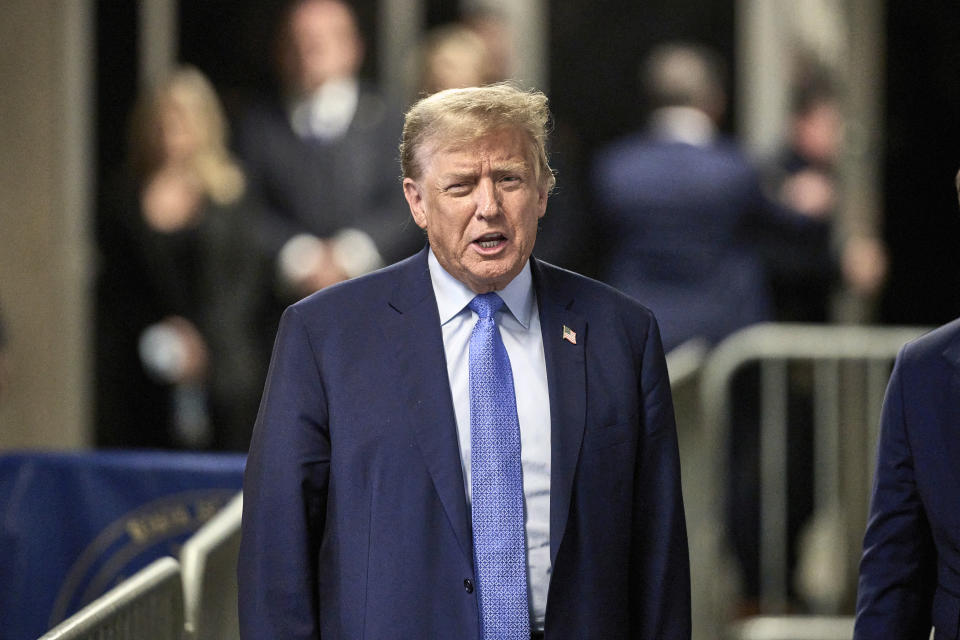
(910,569)
(689,229)
(362,493)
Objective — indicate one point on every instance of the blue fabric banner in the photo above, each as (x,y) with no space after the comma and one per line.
(75,525)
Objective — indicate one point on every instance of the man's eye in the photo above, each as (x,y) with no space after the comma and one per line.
(456,187)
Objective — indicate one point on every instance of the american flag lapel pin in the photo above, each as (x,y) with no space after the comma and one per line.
(569,335)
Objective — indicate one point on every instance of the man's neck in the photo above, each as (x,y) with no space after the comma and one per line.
(452,295)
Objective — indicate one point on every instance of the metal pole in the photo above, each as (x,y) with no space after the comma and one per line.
(762,73)
(860,164)
(401,25)
(158,40)
(773,485)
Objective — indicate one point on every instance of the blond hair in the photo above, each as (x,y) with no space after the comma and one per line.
(462,115)
(189,91)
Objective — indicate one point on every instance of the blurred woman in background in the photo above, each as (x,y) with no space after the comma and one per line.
(452,57)
(180,283)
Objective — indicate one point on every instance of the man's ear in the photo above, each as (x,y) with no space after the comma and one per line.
(542,198)
(414,195)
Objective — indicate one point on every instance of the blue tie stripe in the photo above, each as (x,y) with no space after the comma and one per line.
(497,481)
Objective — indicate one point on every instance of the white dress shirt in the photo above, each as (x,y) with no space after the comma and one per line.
(683,124)
(520,330)
(326,114)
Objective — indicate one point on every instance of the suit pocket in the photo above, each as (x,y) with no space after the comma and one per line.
(610,435)
(945,614)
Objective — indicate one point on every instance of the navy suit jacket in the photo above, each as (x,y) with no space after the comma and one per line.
(355,521)
(910,570)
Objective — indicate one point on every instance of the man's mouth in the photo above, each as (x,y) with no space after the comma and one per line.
(490,240)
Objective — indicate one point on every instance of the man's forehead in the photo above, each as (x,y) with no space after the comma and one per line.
(502,147)
(469,155)
(322,15)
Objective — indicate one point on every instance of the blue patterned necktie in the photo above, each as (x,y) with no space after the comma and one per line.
(499,545)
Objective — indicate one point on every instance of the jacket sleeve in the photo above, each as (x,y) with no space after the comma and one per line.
(660,584)
(897,570)
(285,494)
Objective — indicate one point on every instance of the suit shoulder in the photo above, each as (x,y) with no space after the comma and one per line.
(357,296)
(591,294)
(932,346)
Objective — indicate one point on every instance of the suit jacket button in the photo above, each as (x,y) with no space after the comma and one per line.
(468,585)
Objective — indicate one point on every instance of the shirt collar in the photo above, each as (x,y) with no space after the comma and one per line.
(453,296)
(328,111)
(683,124)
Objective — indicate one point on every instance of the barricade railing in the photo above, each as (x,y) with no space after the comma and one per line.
(792,628)
(209,565)
(844,370)
(149,604)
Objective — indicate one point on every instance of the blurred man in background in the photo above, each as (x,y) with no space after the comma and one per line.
(690,231)
(682,211)
(320,155)
(806,178)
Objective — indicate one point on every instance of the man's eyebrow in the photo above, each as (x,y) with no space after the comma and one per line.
(457,175)
(511,166)
(499,168)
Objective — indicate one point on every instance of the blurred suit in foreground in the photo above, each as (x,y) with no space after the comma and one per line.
(910,570)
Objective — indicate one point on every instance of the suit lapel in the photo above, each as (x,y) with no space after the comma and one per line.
(950,404)
(566,380)
(422,378)
(421,367)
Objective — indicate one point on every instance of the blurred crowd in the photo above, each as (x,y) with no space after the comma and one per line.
(206,237)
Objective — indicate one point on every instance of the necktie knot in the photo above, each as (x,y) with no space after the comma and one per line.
(486,305)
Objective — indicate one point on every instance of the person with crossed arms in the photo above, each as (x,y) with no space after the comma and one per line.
(470,443)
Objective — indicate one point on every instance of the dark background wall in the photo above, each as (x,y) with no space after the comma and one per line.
(595,48)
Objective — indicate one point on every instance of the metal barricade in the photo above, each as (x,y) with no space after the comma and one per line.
(793,628)
(846,369)
(149,604)
(209,563)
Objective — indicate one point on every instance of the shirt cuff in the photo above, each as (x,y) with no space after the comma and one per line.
(355,252)
(299,257)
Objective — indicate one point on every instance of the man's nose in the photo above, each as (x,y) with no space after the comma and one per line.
(486,199)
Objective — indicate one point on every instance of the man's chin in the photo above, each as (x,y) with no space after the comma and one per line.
(492,277)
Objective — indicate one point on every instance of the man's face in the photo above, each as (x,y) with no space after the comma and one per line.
(323,45)
(479,203)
